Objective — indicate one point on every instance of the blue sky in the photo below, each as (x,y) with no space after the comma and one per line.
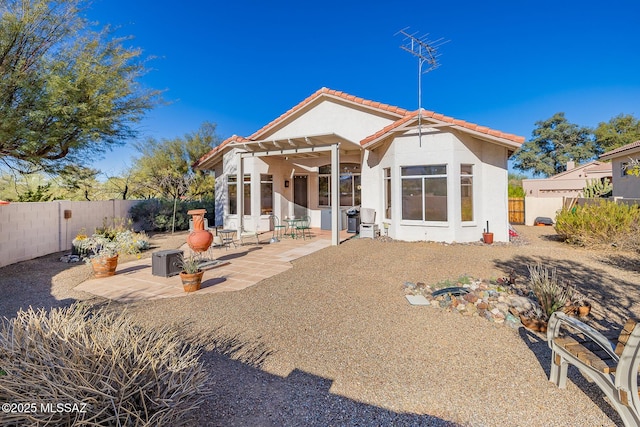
(506,65)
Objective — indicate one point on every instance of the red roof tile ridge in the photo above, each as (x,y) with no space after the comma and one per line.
(219,147)
(331,92)
(441,117)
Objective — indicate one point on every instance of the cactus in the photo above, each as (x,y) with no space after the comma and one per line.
(597,188)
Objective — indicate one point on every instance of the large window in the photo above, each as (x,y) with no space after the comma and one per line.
(387,193)
(232,188)
(466,192)
(349,185)
(424,192)
(266,194)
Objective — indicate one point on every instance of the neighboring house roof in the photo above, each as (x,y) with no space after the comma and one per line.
(401,115)
(620,151)
(569,183)
(591,167)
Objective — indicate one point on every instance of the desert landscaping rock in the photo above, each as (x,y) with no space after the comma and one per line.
(333,341)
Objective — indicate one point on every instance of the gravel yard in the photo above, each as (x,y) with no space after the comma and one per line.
(333,341)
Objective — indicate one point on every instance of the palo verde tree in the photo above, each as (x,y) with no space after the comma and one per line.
(165,166)
(67,91)
(79,182)
(555,141)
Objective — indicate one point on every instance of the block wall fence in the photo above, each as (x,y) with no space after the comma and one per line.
(31,230)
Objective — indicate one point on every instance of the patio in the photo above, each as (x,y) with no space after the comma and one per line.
(243,266)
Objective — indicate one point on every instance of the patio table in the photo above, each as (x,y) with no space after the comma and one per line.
(227,237)
(291,226)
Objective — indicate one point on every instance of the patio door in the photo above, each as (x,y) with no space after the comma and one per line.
(300,196)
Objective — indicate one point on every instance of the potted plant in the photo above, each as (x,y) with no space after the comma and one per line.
(191,274)
(104,258)
(487,236)
(583,307)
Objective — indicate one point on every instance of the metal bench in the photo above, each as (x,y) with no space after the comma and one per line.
(613,367)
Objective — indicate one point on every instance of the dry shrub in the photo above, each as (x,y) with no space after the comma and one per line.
(124,374)
(551,293)
(604,223)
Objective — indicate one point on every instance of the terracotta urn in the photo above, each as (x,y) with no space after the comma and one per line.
(199,239)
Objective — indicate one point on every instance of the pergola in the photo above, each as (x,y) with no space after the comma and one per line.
(298,147)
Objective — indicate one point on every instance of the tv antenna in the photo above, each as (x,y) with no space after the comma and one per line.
(427,53)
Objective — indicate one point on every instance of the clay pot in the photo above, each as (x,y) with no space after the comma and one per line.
(191,281)
(535,325)
(584,310)
(487,238)
(199,239)
(104,267)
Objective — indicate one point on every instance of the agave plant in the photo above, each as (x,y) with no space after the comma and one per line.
(189,264)
(551,293)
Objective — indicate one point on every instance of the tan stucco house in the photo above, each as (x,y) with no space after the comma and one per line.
(624,185)
(546,196)
(426,175)
(569,183)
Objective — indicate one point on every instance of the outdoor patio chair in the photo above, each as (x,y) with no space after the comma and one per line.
(303,227)
(368,227)
(277,228)
(250,234)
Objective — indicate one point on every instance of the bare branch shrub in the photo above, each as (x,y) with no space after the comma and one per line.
(118,372)
(551,293)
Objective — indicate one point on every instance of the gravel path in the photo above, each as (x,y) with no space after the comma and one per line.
(333,341)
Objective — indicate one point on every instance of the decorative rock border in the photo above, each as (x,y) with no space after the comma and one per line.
(494,301)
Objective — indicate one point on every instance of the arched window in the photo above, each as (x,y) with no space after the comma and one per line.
(349,185)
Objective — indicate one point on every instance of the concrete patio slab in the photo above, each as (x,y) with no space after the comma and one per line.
(241,267)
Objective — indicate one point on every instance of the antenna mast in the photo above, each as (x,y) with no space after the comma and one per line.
(427,53)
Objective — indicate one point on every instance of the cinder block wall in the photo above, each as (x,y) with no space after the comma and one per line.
(30,230)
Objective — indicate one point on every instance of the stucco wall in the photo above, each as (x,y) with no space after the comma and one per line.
(489,185)
(31,230)
(334,117)
(535,207)
(624,185)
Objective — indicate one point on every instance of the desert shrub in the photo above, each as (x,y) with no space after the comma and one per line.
(123,373)
(551,293)
(120,242)
(157,214)
(604,222)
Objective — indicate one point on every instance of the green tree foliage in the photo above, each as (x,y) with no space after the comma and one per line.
(80,182)
(129,185)
(67,91)
(164,167)
(36,187)
(555,141)
(42,193)
(621,130)
(515,185)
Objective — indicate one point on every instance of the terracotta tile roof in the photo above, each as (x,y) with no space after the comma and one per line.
(389,128)
(440,117)
(218,148)
(403,115)
(612,153)
(330,92)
